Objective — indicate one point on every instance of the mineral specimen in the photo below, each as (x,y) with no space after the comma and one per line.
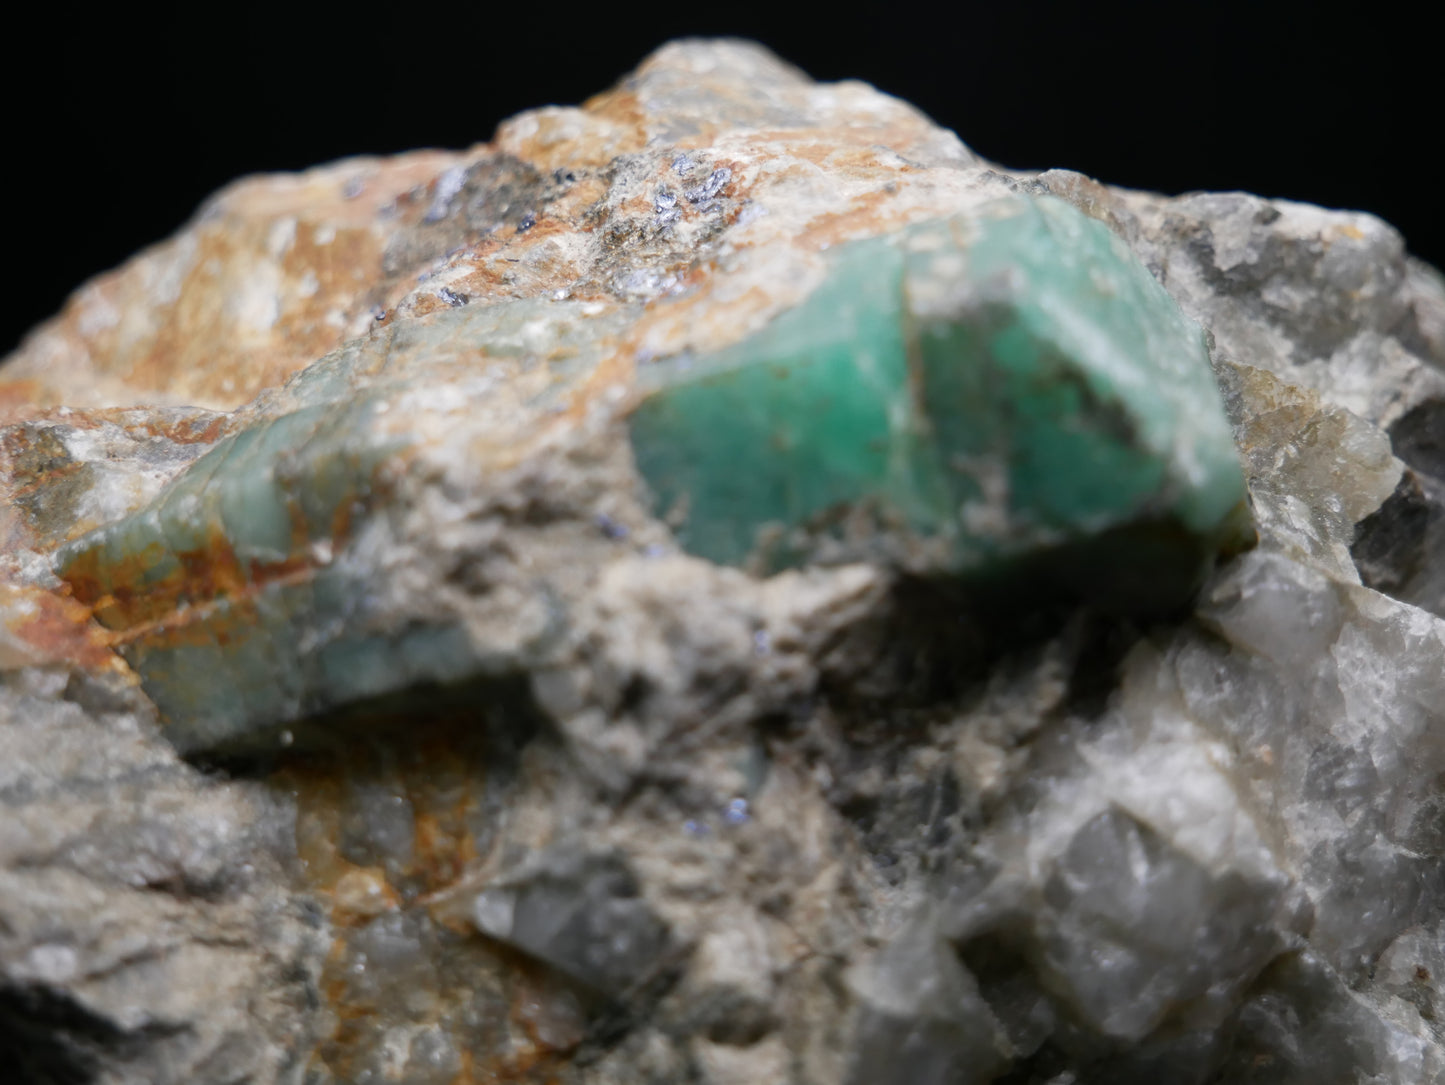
(722,585)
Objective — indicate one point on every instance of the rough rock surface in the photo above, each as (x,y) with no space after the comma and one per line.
(570,804)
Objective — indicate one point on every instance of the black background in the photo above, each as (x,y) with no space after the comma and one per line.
(128,120)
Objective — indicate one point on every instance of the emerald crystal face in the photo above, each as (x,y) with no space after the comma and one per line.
(969,395)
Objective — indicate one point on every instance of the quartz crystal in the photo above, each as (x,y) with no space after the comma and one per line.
(722,585)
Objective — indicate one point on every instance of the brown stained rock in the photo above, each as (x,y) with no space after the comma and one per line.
(44,628)
(271,273)
(275,271)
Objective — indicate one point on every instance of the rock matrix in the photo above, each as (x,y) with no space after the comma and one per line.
(723,585)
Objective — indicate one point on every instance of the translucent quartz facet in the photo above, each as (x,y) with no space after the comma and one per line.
(969,393)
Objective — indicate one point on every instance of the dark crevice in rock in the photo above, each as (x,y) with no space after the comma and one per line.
(936,643)
(40,1040)
(1399,549)
(1103,644)
(501,708)
(933,644)
(1389,548)
(46,1038)
(1419,438)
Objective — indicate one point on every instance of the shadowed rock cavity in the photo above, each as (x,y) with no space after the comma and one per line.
(1399,548)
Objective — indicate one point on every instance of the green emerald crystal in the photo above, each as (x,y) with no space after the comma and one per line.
(1008,389)
(237,595)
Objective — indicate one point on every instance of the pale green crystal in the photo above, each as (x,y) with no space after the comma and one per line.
(232,593)
(976,390)
(811,413)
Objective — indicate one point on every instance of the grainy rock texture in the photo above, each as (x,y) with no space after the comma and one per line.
(363,718)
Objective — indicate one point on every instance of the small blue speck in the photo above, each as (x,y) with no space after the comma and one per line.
(610,527)
(736,812)
(694,828)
